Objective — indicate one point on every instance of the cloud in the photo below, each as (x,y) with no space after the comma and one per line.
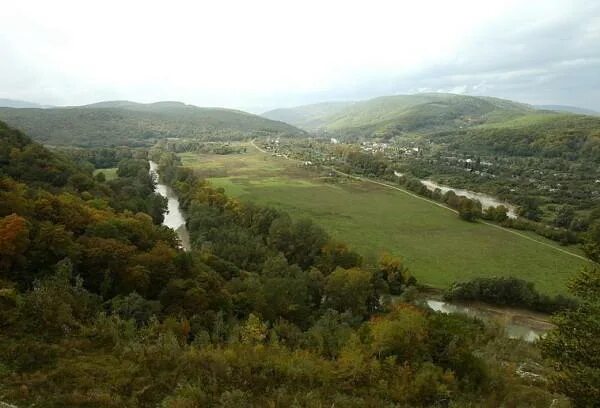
(270,53)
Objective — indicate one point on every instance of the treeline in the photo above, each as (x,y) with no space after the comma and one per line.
(101,157)
(572,137)
(140,125)
(470,210)
(186,145)
(507,292)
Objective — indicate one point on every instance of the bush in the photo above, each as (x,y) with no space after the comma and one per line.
(507,292)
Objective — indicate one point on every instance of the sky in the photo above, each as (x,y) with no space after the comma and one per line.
(261,54)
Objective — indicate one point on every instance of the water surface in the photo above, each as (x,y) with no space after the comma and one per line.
(485,200)
(515,325)
(173,217)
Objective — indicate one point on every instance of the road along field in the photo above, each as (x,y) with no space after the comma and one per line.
(437,246)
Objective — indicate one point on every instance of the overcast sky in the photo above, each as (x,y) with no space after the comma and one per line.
(257,55)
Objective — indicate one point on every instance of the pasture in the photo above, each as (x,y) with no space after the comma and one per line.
(437,246)
(110,173)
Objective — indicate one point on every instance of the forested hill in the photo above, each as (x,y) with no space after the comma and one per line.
(308,117)
(135,124)
(465,123)
(393,115)
(15,103)
(549,135)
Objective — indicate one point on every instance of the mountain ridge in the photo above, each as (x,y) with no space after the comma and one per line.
(407,111)
(19,104)
(135,124)
(568,109)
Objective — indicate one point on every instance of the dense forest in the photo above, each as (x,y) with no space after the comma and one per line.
(99,306)
(134,124)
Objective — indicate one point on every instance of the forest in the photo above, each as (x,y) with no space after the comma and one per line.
(100,307)
(122,123)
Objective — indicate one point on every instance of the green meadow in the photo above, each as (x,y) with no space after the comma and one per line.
(110,173)
(437,246)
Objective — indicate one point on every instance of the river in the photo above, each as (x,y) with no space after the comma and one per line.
(528,326)
(485,200)
(173,217)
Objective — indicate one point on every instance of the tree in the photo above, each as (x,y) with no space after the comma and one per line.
(591,245)
(254,331)
(498,214)
(530,208)
(573,345)
(394,273)
(564,217)
(14,240)
(335,254)
(469,210)
(402,333)
(350,289)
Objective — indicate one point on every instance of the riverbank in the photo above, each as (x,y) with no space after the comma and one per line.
(485,199)
(173,218)
(518,322)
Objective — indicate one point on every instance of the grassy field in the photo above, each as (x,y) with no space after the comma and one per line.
(438,247)
(109,173)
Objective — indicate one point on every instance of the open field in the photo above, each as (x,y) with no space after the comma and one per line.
(109,173)
(438,247)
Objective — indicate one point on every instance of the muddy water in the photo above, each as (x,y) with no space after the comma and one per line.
(485,200)
(173,217)
(518,324)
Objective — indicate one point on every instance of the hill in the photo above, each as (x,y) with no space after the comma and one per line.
(308,116)
(466,123)
(544,134)
(568,109)
(136,124)
(14,103)
(393,115)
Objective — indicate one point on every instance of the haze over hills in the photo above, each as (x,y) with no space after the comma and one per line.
(568,109)
(15,103)
(311,116)
(131,123)
(400,113)
(469,123)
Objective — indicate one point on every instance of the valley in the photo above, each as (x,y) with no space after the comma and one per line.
(295,204)
(438,247)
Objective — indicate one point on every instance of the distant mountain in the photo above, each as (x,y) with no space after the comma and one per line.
(14,103)
(465,123)
(394,115)
(567,108)
(137,124)
(308,116)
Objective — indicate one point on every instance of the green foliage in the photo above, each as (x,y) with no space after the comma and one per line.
(134,124)
(507,292)
(573,344)
(350,290)
(372,218)
(592,243)
(127,319)
(393,115)
(469,210)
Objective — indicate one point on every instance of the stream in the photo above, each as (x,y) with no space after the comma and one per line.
(173,217)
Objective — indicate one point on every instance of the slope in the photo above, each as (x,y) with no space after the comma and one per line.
(393,115)
(134,124)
